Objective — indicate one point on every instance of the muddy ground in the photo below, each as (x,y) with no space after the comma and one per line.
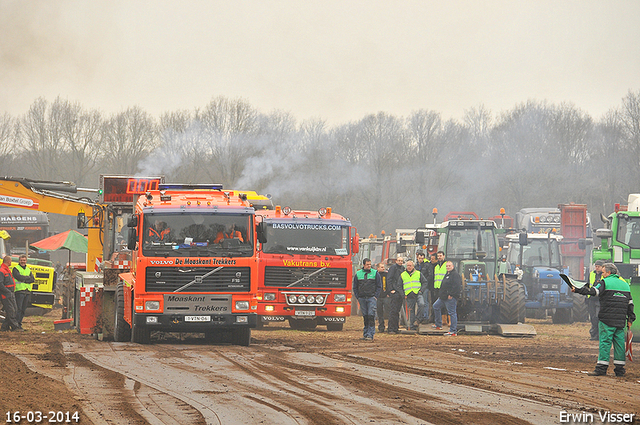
(313,377)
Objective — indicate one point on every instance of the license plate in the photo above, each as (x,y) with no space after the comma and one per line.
(305,313)
(197,318)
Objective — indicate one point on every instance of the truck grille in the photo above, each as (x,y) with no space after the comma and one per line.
(227,279)
(285,276)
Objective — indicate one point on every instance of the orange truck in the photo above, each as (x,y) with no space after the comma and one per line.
(305,267)
(194,265)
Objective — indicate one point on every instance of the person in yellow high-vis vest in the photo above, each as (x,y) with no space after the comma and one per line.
(414,284)
(23,277)
(439,270)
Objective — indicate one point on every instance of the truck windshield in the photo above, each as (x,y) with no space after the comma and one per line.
(629,231)
(306,239)
(536,253)
(198,234)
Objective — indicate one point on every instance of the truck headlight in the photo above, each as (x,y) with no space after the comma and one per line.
(152,305)
(270,296)
(545,286)
(292,299)
(242,305)
(340,298)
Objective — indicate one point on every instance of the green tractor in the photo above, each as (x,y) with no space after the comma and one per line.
(472,246)
(620,245)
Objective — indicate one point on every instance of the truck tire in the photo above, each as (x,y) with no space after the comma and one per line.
(580,309)
(335,326)
(140,335)
(512,306)
(242,336)
(121,329)
(561,316)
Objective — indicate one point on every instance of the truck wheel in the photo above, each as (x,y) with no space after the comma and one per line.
(121,329)
(580,309)
(140,335)
(512,306)
(335,326)
(242,336)
(562,315)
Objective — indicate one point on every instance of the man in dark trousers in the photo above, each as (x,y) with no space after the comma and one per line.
(383,300)
(414,284)
(23,277)
(396,294)
(425,269)
(448,296)
(593,303)
(367,286)
(616,312)
(7,287)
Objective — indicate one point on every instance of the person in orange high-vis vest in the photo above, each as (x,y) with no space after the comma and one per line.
(7,287)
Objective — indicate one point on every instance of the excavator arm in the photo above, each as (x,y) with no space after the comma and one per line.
(38,195)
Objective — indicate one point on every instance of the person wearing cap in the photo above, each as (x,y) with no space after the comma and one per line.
(593,303)
(616,312)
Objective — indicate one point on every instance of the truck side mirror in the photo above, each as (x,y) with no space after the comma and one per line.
(261,233)
(133,239)
(133,221)
(523,239)
(419,237)
(400,248)
(355,242)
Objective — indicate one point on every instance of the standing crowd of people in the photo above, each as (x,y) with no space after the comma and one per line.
(15,291)
(424,288)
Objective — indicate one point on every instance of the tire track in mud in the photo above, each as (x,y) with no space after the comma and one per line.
(193,381)
(142,403)
(437,410)
(525,382)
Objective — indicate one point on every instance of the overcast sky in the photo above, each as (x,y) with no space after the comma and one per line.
(335,60)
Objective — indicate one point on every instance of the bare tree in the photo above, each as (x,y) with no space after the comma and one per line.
(40,136)
(228,128)
(7,143)
(128,137)
(80,136)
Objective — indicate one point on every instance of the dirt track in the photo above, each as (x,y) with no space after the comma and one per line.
(314,377)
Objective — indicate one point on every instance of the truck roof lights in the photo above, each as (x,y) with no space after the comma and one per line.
(180,186)
(286,210)
(322,211)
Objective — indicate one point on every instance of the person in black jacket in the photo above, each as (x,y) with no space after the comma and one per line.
(396,294)
(383,300)
(616,312)
(425,268)
(448,296)
(367,286)
(7,287)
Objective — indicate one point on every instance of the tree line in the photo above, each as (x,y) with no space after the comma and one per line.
(382,171)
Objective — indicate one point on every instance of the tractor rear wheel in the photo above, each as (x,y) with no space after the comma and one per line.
(561,316)
(512,306)
(580,309)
